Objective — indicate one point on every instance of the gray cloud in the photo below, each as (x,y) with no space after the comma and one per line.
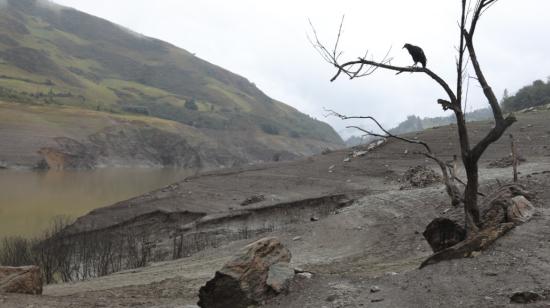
(266,42)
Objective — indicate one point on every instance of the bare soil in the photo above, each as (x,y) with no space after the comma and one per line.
(376,241)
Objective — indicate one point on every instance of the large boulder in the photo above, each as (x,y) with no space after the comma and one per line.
(520,211)
(509,203)
(259,272)
(443,233)
(26,280)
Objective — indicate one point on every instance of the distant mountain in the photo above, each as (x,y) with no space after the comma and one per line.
(415,123)
(56,56)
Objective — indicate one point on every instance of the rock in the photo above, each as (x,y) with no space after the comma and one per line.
(520,211)
(304,275)
(374,289)
(299,270)
(442,233)
(377,300)
(505,162)
(279,277)
(359,153)
(497,204)
(25,280)
(331,298)
(297,238)
(420,176)
(256,274)
(525,297)
(347,160)
(253,199)
(314,218)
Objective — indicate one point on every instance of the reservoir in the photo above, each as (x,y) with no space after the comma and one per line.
(30,200)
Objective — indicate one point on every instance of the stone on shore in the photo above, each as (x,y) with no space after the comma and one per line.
(25,280)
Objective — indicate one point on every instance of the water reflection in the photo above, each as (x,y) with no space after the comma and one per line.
(29,200)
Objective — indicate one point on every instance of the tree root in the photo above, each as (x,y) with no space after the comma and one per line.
(497,221)
(467,248)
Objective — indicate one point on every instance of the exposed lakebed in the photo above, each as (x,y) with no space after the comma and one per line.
(30,200)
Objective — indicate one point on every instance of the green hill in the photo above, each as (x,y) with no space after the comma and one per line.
(52,55)
(534,95)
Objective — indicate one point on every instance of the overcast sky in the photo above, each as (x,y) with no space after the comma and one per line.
(265,41)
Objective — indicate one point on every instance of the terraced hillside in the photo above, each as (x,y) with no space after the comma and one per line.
(54,56)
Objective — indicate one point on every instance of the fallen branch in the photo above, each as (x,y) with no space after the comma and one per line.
(467,248)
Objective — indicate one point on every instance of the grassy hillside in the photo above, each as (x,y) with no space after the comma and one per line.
(52,55)
(67,137)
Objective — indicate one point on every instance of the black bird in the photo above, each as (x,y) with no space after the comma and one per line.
(417,54)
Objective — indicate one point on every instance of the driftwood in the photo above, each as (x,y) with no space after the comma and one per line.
(504,209)
(470,246)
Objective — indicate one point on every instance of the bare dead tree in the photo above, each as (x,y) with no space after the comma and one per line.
(448,180)
(466,56)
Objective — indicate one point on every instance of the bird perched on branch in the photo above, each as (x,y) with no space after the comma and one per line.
(417,54)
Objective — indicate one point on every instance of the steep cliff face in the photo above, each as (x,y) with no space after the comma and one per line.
(56,56)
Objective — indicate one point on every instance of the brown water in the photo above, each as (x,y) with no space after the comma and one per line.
(29,200)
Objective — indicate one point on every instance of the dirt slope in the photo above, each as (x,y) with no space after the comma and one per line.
(76,138)
(372,243)
(319,175)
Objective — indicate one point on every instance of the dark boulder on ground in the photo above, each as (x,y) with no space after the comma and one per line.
(525,297)
(259,272)
(442,233)
(24,280)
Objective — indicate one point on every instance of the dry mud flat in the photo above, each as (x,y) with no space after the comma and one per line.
(376,241)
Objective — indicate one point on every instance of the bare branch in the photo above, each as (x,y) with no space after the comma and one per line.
(452,190)
(338,39)
(344,68)
(388,134)
(370,66)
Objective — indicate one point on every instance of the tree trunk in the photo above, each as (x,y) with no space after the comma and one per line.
(514,158)
(471,208)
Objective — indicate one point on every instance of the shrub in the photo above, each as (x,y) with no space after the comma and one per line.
(270,129)
(191,105)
